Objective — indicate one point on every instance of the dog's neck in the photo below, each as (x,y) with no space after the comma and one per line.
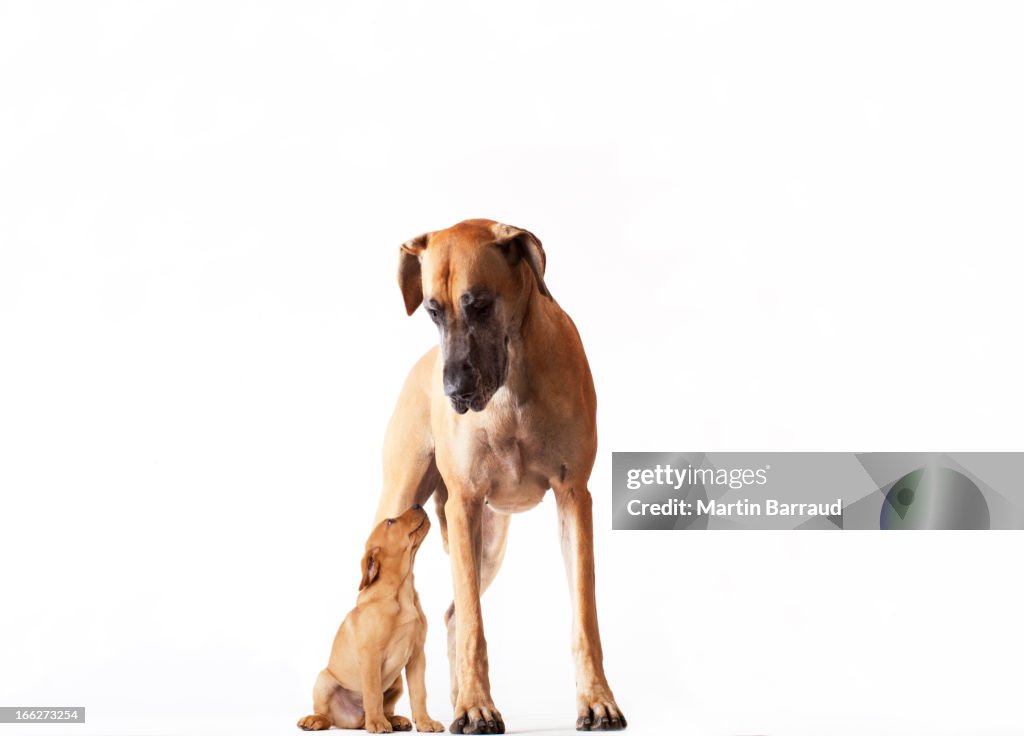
(534,340)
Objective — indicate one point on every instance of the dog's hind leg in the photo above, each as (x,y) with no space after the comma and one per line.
(410,474)
(332,704)
(440,499)
(492,552)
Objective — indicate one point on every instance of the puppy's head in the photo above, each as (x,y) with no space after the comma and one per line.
(473,279)
(391,548)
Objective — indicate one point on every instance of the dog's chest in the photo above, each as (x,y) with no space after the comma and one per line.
(397,658)
(511,464)
(401,647)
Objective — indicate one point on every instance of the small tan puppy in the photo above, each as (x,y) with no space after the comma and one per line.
(383,634)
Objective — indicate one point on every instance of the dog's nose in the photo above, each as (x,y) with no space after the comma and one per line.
(458,380)
(416,507)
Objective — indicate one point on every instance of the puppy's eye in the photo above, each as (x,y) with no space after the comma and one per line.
(434,313)
(479,310)
(390,522)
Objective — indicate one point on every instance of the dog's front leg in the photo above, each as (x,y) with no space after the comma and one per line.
(415,675)
(370,665)
(474,709)
(595,705)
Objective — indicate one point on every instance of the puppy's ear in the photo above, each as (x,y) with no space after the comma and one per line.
(409,279)
(371,567)
(518,244)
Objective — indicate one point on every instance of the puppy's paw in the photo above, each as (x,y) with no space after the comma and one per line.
(377,725)
(315,722)
(597,711)
(400,723)
(429,725)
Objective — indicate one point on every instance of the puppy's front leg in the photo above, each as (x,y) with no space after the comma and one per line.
(370,665)
(415,675)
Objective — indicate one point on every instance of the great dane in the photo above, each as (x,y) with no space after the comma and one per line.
(500,412)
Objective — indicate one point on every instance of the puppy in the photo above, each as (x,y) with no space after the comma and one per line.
(383,634)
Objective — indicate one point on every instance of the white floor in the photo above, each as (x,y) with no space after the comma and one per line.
(670,723)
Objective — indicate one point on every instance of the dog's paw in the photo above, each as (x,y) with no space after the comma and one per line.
(479,717)
(429,725)
(597,711)
(315,722)
(400,723)
(377,725)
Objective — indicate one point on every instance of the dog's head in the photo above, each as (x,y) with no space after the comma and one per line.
(474,280)
(391,548)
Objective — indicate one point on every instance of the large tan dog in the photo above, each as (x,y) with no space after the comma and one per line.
(500,413)
(380,637)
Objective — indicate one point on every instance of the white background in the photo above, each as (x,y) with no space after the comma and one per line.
(778,226)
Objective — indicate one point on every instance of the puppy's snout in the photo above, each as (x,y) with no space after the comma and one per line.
(459,380)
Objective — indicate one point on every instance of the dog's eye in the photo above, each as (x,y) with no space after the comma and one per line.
(434,312)
(390,522)
(479,310)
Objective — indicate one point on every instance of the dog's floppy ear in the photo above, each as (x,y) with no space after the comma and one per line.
(409,279)
(371,567)
(518,244)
